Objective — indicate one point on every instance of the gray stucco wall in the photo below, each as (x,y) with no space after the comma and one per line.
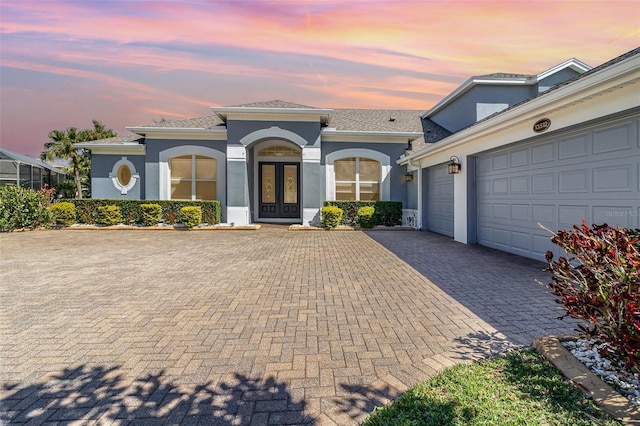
(398,188)
(556,78)
(101,184)
(462,112)
(155,146)
(310,131)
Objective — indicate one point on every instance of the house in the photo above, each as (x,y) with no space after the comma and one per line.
(551,148)
(18,169)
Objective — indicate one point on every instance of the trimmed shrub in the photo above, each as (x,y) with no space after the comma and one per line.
(191,216)
(109,215)
(366,217)
(22,208)
(600,284)
(388,213)
(150,214)
(87,209)
(63,213)
(331,217)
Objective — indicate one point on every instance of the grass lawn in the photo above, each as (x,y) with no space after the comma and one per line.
(520,388)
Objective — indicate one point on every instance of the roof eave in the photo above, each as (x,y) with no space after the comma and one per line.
(533,107)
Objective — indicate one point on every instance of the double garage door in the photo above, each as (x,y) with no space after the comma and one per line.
(592,175)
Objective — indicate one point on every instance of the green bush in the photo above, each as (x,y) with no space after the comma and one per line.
(388,213)
(63,213)
(151,214)
(109,215)
(191,216)
(22,208)
(87,209)
(331,217)
(366,217)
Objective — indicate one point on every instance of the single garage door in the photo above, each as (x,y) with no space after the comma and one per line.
(593,174)
(439,199)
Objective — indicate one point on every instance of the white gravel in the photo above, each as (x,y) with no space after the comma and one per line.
(625,382)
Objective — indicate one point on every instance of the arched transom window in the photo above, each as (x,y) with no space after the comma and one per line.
(357,178)
(193,177)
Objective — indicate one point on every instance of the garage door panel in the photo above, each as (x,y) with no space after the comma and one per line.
(612,139)
(439,200)
(612,178)
(592,174)
(572,147)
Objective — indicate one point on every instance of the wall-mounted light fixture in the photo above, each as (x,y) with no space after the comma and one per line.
(454,165)
(408,177)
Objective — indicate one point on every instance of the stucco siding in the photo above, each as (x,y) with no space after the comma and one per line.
(102,185)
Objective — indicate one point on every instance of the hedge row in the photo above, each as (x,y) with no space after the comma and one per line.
(132,212)
(388,213)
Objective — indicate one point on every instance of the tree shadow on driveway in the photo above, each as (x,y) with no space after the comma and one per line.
(498,287)
(84,393)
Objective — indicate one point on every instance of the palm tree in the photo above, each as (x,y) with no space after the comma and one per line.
(62,146)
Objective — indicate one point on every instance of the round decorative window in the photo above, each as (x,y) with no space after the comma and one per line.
(124,175)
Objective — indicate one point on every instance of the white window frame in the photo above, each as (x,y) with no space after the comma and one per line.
(124,189)
(385,170)
(193,150)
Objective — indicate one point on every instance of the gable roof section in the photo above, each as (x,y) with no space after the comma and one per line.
(506,79)
(602,75)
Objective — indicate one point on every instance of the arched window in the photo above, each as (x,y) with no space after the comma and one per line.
(357,178)
(193,177)
(358,174)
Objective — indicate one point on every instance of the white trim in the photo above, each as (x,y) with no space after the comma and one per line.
(164,174)
(333,135)
(238,215)
(236,153)
(114,176)
(273,132)
(385,169)
(112,149)
(311,216)
(311,154)
(266,113)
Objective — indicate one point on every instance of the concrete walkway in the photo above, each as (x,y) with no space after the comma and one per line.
(247,327)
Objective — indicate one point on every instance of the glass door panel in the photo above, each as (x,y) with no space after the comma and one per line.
(291,184)
(268,183)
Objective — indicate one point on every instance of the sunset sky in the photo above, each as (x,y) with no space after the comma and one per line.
(130,62)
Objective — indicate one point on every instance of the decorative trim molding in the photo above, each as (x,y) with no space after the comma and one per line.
(385,169)
(164,174)
(113,175)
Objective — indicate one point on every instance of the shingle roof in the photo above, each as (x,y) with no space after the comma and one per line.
(117,140)
(277,103)
(205,122)
(376,120)
(504,75)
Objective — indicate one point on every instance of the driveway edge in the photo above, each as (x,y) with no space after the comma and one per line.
(581,377)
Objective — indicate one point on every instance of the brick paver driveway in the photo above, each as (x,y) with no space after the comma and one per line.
(247,327)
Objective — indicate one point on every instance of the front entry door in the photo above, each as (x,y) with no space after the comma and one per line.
(279,195)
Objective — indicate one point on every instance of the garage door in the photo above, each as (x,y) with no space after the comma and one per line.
(557,182)
(439,198)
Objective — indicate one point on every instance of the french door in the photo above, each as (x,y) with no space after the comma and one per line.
(279,196)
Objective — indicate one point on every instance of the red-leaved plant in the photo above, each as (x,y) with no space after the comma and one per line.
(600,284)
